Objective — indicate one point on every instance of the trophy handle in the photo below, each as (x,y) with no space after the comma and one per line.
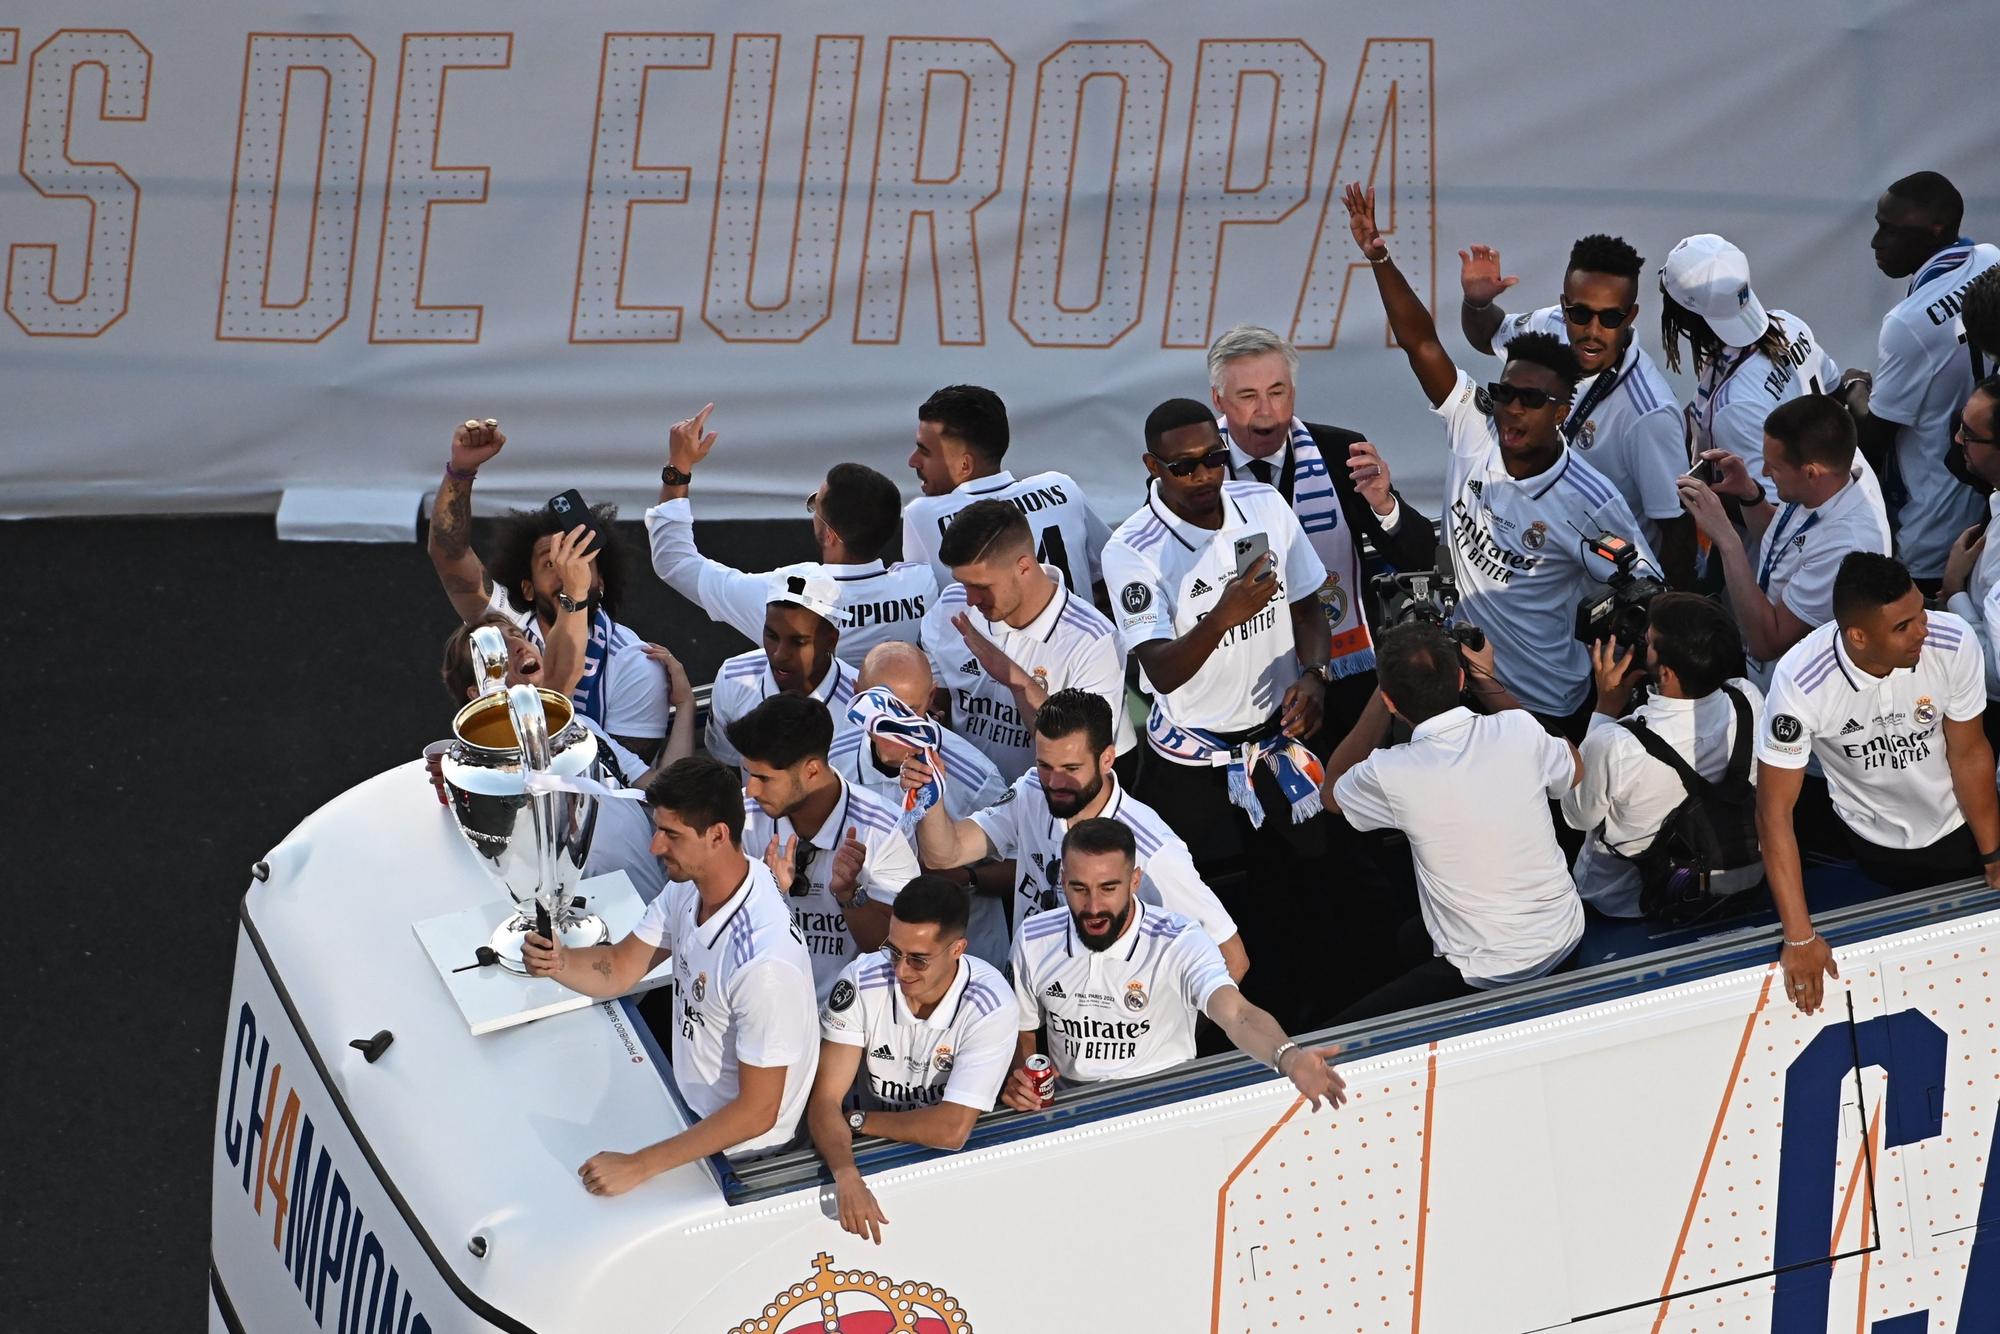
(531,728)
(489,663)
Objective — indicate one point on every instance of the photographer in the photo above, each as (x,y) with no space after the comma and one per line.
(1830,507)
(1693,656)
(1472,794)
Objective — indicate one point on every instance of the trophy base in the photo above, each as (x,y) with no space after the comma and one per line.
(578,930)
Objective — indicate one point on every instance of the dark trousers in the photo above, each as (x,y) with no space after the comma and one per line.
(1303,914)
(1429,978)
(1900,870)
(1572,725)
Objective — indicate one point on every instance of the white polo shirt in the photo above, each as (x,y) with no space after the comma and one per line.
(878,603)
(1472,791)
(1068,533)
(961,1054)
(889,863)
(1517,546)
(971,783)
(1802,549)
(742,993)
(1068,644)
(1880,739)
(1735,393)
(1625,794)
(1634,432)
(1979,604)
(745,681)
(1021,827)
(1924,372)
(635,687)
(1165,574)
(1123,1011)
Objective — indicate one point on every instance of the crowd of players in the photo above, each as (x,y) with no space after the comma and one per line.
(930,837)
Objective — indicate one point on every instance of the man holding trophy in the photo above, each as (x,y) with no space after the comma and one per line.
(745,1045)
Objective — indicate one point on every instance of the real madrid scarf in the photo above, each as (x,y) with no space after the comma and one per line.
(881,714)
(589,695)
(1308,486)
(1298,773)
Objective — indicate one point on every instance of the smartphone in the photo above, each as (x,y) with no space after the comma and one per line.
(1250,549)
(567,510)
(1705,470)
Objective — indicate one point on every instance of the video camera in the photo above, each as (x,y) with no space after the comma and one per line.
(1429,596)
(1616,609)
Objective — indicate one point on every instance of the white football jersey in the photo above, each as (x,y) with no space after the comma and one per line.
(1165,574)
(889,864)
(971,783)
(1924,372)
(1068,644)
(1879,739)
(961,1054)
(1068,533)
(877,603)
(1021,828)
(1122,1011)
(635,687)
(1517,547)
(1633,432)
(742,993)
(1802,549)
(745,681)
(1735,393)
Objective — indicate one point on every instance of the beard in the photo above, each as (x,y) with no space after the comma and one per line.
(1063,804)
(1099,944)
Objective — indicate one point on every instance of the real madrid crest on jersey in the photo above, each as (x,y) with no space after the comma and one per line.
(700,987)
(1536,536)
(1135,995)
(941,1058)
(1587,437)
(1925,711)
(1333,598)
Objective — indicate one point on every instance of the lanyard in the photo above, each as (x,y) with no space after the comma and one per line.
(1777,543)
(1600,389)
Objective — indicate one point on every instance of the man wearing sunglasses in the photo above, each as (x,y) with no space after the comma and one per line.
(930,1027)
(1924,368)
(1971,588)
(1519,502)
(833,848)
(854,516)
(1626,419)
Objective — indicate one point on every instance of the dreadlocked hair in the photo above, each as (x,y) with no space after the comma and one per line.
(1677,321)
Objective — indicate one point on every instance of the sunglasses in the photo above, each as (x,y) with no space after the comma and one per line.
(1218,459)
(1608,319)
(918,962)
(1965,437)
(1510,393)
(802,860)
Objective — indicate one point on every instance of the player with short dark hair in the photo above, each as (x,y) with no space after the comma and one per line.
(1889,698)
(854,516)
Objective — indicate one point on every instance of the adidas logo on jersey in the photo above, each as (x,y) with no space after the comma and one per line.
(1851,728)
(1200,587)
(970,667)
(882,1053)
(1054,991)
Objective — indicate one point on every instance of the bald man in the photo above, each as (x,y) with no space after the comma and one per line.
(971,783)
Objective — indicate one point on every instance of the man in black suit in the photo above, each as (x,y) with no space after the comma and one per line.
(1338,485)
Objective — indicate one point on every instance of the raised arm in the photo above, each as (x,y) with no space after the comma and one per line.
(1409,321)
(1479,315)
(942,842)
(458,567)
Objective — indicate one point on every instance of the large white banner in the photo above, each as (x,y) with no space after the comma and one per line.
(254,248)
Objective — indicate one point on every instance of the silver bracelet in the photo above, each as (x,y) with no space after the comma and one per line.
(1372,260)
(1801,944)
(1278,1056)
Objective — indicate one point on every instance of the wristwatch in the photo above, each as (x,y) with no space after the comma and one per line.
(854,1120)
(673,476)
(568,603)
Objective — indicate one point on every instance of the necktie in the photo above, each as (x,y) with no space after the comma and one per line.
(1261,470)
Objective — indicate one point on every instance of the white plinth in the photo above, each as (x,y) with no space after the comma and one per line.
(491,998)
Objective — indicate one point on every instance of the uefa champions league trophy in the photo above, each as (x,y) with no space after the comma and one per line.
(512,749)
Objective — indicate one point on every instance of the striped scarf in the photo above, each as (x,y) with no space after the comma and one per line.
(1298,773)
(880,714)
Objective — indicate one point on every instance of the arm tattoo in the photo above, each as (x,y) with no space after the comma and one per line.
(451,524)
(603,966)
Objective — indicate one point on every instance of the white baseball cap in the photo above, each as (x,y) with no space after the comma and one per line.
(1711,277)
(809,588)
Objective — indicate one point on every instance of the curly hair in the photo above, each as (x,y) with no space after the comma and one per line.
(1598,253)
(1549,352)
(513,563)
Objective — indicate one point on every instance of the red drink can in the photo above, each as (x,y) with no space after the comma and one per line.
(1042,1074)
